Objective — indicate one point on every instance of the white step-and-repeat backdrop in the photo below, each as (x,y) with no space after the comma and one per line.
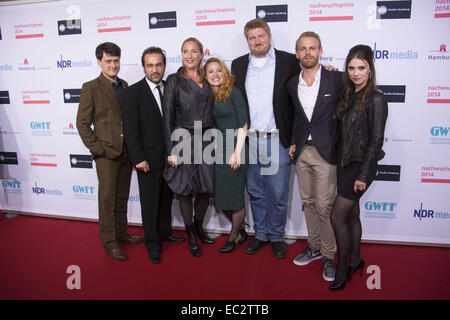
(47,52)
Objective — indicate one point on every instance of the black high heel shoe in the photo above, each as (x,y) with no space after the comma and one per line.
(352,270)
(335,286)
(243,234)
(230,245)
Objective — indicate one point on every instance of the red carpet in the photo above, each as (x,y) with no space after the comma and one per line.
(35,253)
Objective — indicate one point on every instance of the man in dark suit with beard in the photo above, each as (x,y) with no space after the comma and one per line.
(143,135)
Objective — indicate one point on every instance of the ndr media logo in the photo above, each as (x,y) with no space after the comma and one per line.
(422,213)
(379,209)
(69,64)
(84,192)
(12,186)
(440,135)
(44,191)
(381,54)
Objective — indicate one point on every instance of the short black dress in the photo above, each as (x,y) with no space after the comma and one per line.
(195,177)
(346,176)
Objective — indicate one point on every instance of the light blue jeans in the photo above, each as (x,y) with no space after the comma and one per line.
(268,187)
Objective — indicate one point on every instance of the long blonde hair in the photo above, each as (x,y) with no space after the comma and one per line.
(182,71)
(222,93)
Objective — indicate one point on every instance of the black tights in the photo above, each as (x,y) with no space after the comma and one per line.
(237,218)
(347,230)
(201,203)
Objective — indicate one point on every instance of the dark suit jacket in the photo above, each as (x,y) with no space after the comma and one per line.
(99,106)
(142,126)
(321,125)
(286,66)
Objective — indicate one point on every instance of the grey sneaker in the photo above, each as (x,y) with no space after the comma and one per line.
(329,270)
(307,256)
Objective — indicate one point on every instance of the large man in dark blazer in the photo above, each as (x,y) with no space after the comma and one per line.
(99,106)
(143,134)
(262,76)
(315,93)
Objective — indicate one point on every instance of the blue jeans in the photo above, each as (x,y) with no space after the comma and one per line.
(268,187)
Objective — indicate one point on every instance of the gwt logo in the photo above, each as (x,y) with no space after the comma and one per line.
(40,125)
(13,184)
(83,189)
(423,213)
(64,63)
(380,206)
(439,131)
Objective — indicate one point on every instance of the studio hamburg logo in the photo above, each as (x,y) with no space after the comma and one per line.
(80,161)
(393,93)
(275,13)
(158,20)
(67,27)
(394,9)
(8,158)
(71,95)
(388,172)
(4,97)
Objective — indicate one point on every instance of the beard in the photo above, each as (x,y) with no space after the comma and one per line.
(309,64)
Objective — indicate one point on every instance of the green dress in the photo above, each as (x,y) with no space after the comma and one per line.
(229,185)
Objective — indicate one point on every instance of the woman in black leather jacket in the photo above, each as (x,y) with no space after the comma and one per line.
(187,105)
(360,123)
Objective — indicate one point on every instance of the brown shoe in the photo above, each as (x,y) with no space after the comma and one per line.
(131,240)
(117,254)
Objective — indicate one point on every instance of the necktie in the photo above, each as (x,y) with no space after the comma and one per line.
(160,93)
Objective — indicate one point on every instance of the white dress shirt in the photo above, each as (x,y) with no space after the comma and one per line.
(259,86)
(155,92)
(308,95)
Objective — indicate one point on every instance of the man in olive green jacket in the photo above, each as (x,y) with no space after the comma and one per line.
(100,106)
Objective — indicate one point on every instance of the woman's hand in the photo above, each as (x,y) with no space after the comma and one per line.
(359,186)
(235,161)
(172,160)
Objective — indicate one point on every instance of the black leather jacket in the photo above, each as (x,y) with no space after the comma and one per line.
(180,108)
(361,135)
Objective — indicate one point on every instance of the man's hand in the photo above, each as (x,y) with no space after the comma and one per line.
(331,68)
(143,166)
(292,151)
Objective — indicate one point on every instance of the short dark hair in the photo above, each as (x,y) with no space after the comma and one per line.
(151,50)
(109,48)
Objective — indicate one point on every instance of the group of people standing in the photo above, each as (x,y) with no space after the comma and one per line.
(329,123)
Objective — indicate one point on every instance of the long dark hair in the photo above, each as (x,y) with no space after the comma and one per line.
(364,53)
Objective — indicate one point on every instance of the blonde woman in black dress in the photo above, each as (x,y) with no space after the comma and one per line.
(187,102)
(229,113)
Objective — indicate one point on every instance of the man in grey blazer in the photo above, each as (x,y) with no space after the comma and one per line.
(315,93)
(100,106)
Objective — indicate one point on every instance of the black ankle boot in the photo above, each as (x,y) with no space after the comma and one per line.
(198,225)
(193,244)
